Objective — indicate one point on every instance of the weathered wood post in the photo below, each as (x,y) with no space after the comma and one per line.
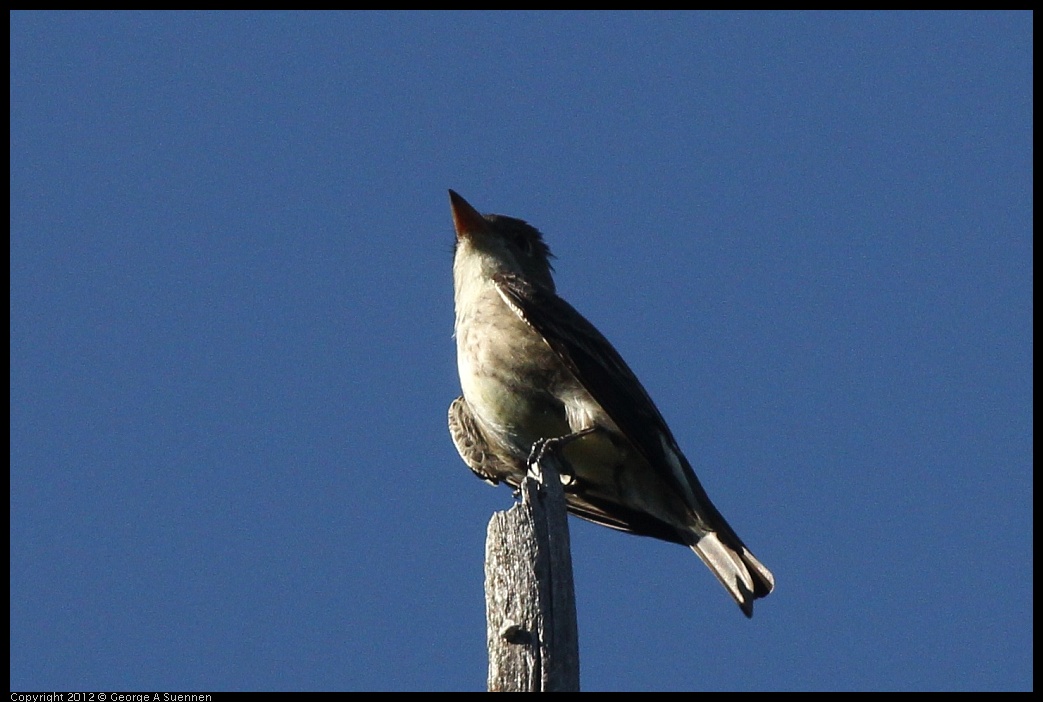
(530,600)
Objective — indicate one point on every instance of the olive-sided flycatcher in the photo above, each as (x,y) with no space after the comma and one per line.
(532,367)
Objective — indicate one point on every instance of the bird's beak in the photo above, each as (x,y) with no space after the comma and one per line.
(467,220)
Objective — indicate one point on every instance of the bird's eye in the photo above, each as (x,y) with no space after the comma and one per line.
(524,245)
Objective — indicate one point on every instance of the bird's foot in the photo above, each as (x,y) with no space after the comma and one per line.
(542,447)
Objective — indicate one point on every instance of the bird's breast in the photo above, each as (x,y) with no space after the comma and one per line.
(508,372)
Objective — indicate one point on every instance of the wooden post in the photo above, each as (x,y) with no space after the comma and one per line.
(530,601)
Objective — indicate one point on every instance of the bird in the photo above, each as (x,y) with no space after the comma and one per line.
(534,369)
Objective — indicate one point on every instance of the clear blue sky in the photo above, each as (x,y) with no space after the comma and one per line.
(231,356)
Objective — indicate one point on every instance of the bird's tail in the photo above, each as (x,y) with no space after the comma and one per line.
(745,578)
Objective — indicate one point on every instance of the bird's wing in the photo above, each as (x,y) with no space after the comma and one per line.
(606,376)
(472,445)
(602,372)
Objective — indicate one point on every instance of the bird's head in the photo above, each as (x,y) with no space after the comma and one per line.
(502,244)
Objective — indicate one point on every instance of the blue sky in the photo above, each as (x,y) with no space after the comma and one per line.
(810,235)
